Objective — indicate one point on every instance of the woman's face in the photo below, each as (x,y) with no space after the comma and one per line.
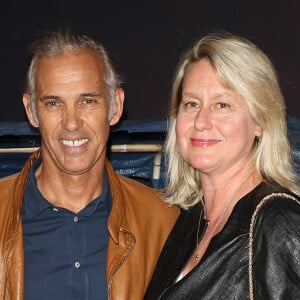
(215,131)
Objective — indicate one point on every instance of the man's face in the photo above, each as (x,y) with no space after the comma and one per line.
(72,104)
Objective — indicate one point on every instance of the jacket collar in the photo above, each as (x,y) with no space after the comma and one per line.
(21,180)
(117,217)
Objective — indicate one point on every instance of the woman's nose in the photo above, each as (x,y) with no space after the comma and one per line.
(203,119)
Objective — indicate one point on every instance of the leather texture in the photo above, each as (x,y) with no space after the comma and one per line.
(223,270)
(139,224)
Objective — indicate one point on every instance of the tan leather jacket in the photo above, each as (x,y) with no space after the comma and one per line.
(138,224)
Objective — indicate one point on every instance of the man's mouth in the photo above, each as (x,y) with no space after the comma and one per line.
(74,143)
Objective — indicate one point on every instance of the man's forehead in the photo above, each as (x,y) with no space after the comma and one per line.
(71,66)
(82,57)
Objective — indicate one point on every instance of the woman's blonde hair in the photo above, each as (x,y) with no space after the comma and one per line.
(242,67)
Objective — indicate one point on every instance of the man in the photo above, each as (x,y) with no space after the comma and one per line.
(70,227)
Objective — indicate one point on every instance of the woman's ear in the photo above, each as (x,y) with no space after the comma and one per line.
(258,131)
(30,114)
(118,106)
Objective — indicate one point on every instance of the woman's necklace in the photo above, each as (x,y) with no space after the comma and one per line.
(201,247)
(210,231)
(206,238)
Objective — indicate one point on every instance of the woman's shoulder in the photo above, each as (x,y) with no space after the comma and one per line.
(275,243)
(274,196)
(278,210)
(272,192)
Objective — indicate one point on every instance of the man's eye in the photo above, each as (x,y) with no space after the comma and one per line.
(51,103)
(89,101)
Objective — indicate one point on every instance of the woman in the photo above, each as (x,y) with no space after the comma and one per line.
(229,160)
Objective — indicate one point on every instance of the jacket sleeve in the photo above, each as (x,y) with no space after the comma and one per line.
(276,254)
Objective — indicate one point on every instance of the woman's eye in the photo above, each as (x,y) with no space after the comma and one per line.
(222,105)
(190,106)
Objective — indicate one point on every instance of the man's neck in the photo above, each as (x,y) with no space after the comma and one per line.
(73,192)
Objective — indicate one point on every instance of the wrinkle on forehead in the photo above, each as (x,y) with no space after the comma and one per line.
(70,68)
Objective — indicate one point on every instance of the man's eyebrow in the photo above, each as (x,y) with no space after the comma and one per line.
(48,97)
(91,95)
(52,97)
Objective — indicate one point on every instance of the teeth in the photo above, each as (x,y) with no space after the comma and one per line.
(74,143)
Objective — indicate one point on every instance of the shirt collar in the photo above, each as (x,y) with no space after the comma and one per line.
(35,203)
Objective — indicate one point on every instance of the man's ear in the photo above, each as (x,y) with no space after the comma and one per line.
(30,114)
(118,106)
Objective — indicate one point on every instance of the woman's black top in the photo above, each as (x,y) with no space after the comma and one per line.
(223,270)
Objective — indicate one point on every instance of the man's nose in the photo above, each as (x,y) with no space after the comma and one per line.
(71,118)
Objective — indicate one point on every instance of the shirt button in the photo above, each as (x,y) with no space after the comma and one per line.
(77,264)
(75,219)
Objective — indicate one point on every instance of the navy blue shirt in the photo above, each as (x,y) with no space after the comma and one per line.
(65,253)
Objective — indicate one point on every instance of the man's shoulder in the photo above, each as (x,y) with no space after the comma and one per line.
(8,180)
(136,183)
(145,198)
(138,189)
(7,188)
(123,183)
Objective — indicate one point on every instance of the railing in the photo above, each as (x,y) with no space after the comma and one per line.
(134,148)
